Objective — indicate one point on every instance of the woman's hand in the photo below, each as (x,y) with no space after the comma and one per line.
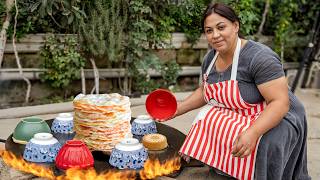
(244,143)
(169,118)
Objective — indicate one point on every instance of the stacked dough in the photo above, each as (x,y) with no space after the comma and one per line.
(103,120)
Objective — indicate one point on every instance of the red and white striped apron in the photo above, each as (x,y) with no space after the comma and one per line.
(218,124)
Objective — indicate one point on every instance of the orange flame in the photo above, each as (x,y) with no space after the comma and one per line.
(91,174)
(152,169)
(20,164)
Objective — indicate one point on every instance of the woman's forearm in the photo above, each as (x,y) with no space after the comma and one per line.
(194,101)
(270,117)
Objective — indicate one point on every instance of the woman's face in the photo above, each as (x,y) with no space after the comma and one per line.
(220,32)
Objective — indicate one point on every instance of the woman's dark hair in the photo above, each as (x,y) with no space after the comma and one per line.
(224,11)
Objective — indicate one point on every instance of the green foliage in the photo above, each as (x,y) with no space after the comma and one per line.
(249,16)
(43,16)
(62,61)
(248,13)
(149,25)
(124,32)
(143,81)
(188,16)
(2,10)
(169,72)
(291,26)
(24,26)
(64,13)
(102,33)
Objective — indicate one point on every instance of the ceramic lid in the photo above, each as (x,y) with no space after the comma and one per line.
(64,117)
(143,119)
(129,144)
(43,139)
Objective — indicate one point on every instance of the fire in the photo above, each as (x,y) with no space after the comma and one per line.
(91,174)
(20,164)
(152,169)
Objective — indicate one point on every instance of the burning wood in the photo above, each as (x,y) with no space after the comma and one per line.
(152,169)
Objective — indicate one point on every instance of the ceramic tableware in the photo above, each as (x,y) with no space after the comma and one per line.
(63,123)
(74,153)
(142,125)
(27,128)
(161,104)
(128,154)
(42,148)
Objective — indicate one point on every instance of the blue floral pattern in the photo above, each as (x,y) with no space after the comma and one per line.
(62,126)
(128,159)
(142,129)
(41,153)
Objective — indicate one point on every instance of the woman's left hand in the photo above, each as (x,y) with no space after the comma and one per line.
(244,143)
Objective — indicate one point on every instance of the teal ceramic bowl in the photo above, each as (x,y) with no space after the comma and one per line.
(28,127)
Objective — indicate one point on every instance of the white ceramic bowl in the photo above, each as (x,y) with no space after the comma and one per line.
(63,123)
(142,125)
(128,154)
(43,147)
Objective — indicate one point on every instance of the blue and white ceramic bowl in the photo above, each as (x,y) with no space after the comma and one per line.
(142,125)
(63,123)
(128,154)
(42,148)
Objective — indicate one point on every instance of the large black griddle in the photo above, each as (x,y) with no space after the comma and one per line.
(175,140)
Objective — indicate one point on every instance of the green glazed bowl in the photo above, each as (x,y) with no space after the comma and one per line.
(28,127)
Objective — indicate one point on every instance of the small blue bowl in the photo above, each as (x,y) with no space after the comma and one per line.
(128,154)
(42,148)
(143,125)
(63,123)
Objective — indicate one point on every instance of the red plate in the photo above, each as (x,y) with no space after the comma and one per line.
(161,104)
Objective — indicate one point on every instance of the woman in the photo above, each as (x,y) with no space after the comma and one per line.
(251,126)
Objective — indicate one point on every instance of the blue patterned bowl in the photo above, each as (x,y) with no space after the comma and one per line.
(63,123)
(42,148)
(142,125)
(128,154)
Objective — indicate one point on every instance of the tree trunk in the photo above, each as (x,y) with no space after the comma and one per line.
(96,75)
(83,81)
(16,54)
(5,26)
(126,77)
(264,16)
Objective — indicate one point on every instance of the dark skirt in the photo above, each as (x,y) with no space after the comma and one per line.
(282,152)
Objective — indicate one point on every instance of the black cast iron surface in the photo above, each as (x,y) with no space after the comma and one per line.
(101,160)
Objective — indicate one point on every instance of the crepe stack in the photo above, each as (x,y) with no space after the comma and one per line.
(102,121)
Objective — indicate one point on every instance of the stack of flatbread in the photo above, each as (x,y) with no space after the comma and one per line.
(103,120)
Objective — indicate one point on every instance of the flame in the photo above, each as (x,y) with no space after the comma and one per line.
(152,169)
(20,164)
(91,174)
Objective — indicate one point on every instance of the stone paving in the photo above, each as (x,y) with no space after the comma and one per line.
(310,98)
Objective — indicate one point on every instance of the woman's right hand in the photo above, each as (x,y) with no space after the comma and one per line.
(169,118)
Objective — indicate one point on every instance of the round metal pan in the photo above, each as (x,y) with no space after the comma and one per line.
(101,160)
